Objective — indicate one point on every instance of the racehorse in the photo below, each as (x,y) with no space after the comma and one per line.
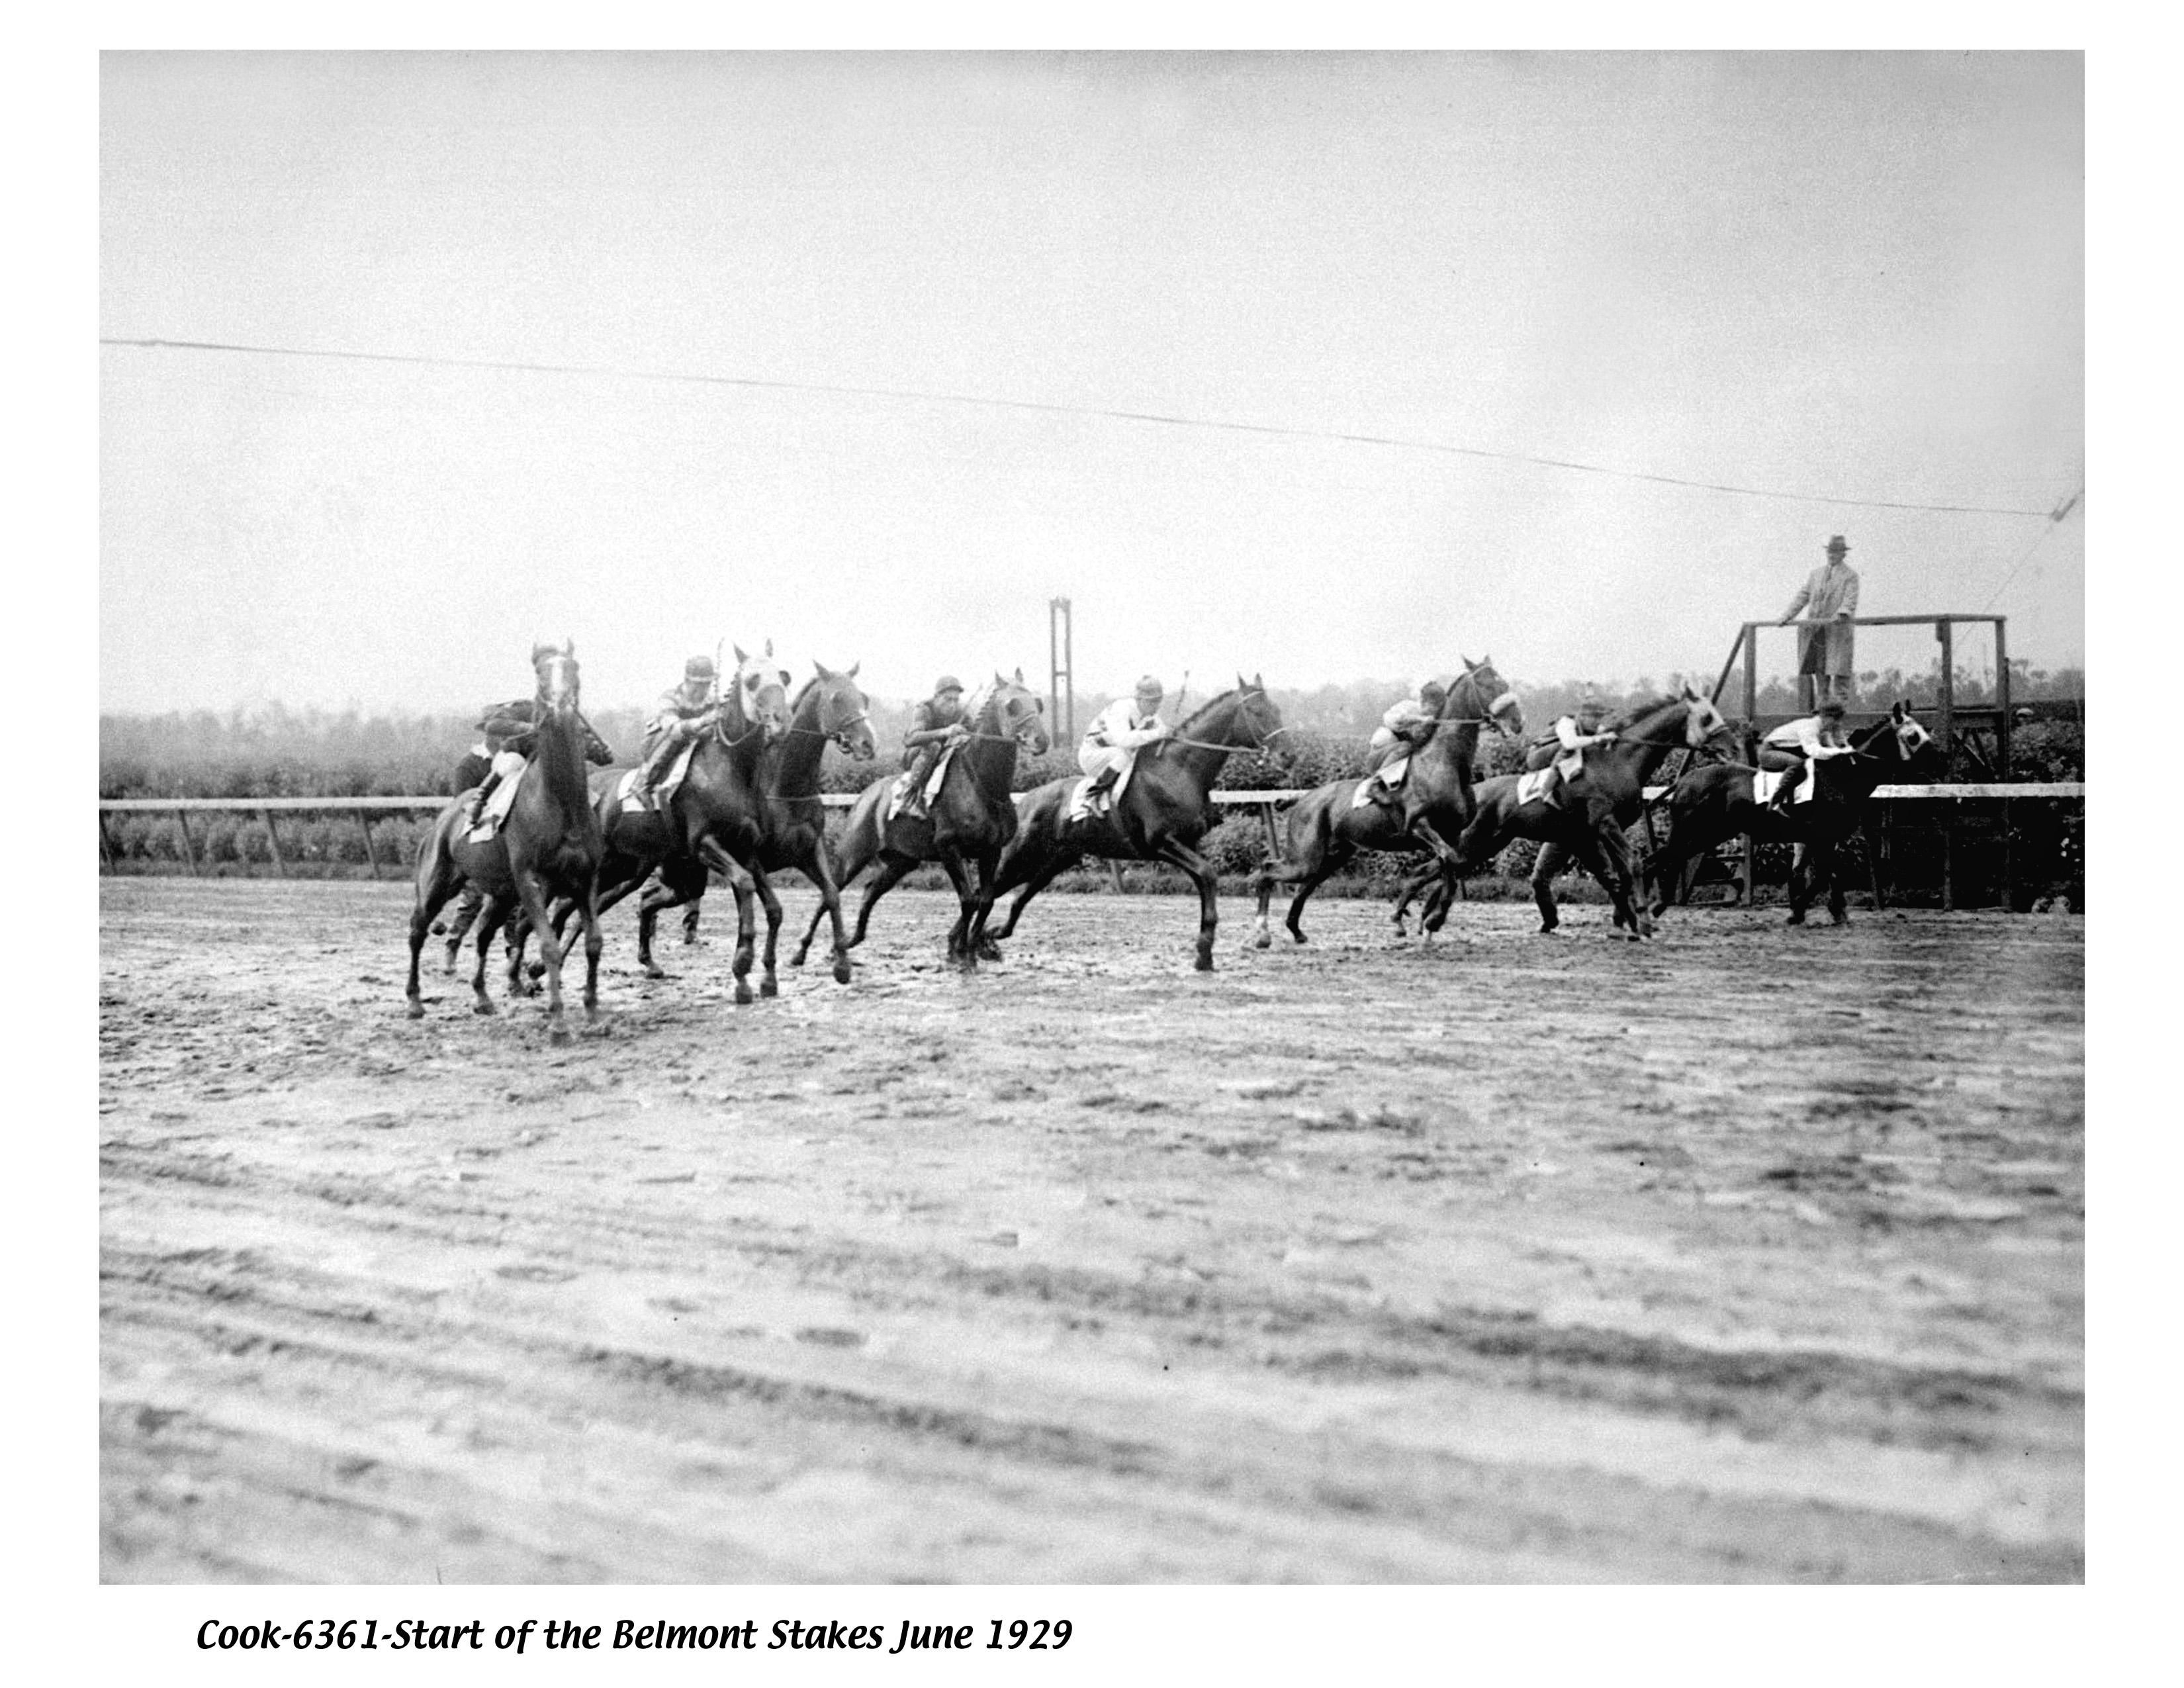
(712,819)
(549,846)
(1160,815)
(968,822)
(1585,822)
(830,710)
(1327,826)
(1715,802)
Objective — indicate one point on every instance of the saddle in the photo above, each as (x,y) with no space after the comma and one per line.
(1392,776)
(900,794)
(1766,783)
(1083,806)
(625,794)
(1532,786)
(512,768)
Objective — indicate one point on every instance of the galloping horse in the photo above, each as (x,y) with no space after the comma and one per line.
(830,710)
(1161,816)
(1715,802)
(1583,823)
(713,819)
(549,846)
(1326,827)
(970,821)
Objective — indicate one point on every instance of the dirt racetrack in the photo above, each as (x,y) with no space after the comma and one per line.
(1747,1254)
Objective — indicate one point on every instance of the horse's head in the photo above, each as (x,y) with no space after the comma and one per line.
(1481,695)
(555,667)
(1900,737)
(1256,718)
(1019,713)
(1702,720)
(842,714)
(761,691)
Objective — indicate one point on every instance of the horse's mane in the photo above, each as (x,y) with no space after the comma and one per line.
(1204,709)
(803,692)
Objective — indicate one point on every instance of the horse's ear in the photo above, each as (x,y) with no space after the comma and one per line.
(769,647)
(1260,681)
(820,668)
(568,645)
(1020,678)
(1465,660)
(854,666)
(783,672)
(741,657)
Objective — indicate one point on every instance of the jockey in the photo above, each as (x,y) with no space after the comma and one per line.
(1117,733)
(508,729)
(1564,745)
(682,714)
(1793,747)
(1401,729)
(936,723)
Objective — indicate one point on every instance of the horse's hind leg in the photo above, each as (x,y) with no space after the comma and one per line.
(1312,881)
(534,897)
(466,917)
(819,869)
(892,868)
(1043,875)
(959,935)
(490,914)
(1209,914)
(986,866)
(769,983)
(432,897)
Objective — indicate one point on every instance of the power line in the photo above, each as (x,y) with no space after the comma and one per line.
(2054,520)
(1155,417)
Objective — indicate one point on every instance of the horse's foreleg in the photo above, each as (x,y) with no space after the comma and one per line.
(531,892)
(952,861)
(1202,876)
(819,869)
(1036,881)
(594,943)
(1801,888)
(1610,864)
(1548,863)
(741,883)
(987,865)
(768,983)
(433,890)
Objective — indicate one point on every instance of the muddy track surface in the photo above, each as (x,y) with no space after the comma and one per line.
(1746,1254)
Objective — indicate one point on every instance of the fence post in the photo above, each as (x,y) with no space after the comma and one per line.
(105,844)
(1748,872)
(1946,632)
(370,849)
(189,845)
(273,843)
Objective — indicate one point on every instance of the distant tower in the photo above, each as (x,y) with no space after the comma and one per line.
(1062,681)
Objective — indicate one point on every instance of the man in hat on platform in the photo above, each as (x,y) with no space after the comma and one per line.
(1792,748)
(935,725)
(682,713)
(1117,731)
(1828,598)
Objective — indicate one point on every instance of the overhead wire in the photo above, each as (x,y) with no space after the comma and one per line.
(911,395)
(2054,520)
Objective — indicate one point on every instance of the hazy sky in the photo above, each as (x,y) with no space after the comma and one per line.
(1856,276)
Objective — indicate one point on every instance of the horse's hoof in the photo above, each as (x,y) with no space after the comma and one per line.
(652,970)
(742,993)
(1548,931)
(482,1007)
(1795,919)
(842,970)
(689,938)
(416,1009)
(558,1035)
(439,928)
(769,986)
(1265,941)
(1205,964)
(797,960)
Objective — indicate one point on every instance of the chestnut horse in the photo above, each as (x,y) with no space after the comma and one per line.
(549,846)
(1161,816)
(1714,803)
(970,821)
(829,710)
(1326,827)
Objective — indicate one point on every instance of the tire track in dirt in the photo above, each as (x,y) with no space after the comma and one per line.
(1075,1271)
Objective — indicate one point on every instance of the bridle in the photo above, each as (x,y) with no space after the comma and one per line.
(1015,735)
(1259,743)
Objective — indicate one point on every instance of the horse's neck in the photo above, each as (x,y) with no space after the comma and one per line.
(559,750)
(991,755)
(1639,757)
(1457,745)
(1202,760)
(796,766)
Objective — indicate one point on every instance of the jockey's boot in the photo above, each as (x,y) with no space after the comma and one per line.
(1380,794)
(913,801)
(474,804)
(653,765)
(1096,794)
(1787,793)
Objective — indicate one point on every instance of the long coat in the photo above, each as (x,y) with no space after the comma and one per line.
(1830,591)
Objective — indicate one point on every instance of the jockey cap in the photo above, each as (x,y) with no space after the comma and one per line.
(946,682)
(1150,688)
(697,668)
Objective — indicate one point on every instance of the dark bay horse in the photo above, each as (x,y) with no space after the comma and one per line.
(1161,816)
(1711,804)
(1585,822)
(1326,828)
(713,819)
(549,847)
(830,710)
(969,823)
